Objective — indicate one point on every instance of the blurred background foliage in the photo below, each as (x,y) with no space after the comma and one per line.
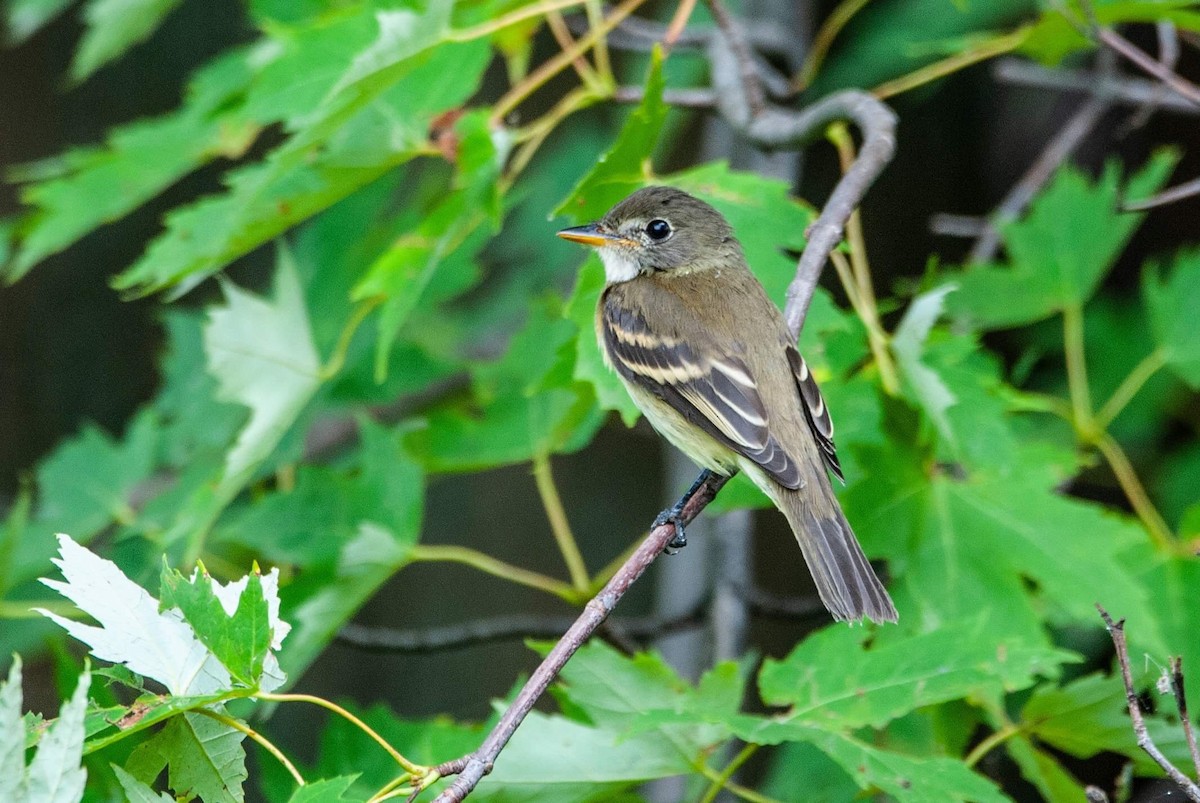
(282,286)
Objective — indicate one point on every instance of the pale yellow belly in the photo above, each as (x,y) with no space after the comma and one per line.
(698,445)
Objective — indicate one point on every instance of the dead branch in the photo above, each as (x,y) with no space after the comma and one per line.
(1117,631)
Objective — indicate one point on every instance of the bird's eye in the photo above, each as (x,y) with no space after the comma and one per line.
(658,229)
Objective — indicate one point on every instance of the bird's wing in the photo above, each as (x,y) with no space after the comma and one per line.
(815,411)
(715,391)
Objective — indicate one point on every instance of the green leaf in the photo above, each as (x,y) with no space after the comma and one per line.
(1043,771)
(1174,306)
(1061,250)
(241,640)
(357,134)
(54,775)
(908,779)
(27,17)
(85,188)
(521,405)
(12,734)
(138,792)
(621,170)
(832,680)
(113,26)
(978,545)
(132,631)
(204,759)
(327,790)
(1089,716)
(386,506)
(262,355)
(909,343)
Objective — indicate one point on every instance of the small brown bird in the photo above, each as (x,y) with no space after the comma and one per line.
(707,358)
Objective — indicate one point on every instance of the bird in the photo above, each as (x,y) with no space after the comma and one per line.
(707,358)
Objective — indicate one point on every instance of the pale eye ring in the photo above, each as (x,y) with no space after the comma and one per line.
(658,229)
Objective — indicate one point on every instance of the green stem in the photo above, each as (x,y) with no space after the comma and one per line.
(737,789)
(1077,381)
(1127,478)
(722,779)
(512,18)
(338,359)
(988,48)
(559,524)
(989,744)
(1129,388)
(262,741)
(409,767)
(497,568)
(832,26)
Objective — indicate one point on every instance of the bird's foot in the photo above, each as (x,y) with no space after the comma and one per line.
(674,517)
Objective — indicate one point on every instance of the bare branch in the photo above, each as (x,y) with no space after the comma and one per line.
(1181,705)
(1184,88)
(1179,192)
(733,39)
(1117,88)
(1117,631)
(1056,152)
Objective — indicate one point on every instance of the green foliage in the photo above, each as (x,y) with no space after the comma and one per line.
(421,320)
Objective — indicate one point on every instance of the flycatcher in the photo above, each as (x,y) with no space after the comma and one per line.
(707,358)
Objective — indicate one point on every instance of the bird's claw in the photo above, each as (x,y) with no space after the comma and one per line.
(674,517)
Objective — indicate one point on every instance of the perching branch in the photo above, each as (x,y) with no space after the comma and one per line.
(1117,631)
(772,127)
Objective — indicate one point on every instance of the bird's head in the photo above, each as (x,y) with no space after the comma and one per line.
(659,230)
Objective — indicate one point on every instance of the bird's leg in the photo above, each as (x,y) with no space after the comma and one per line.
(674,515)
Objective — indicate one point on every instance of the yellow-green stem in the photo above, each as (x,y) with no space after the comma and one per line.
(989,48)
(722,780)
(595,15)
(511,18)
(338,358)
(867,308)
(553,66)
(1129,388)
(737,789)
(559,525)
(997,738)
(1127,478)
(1077,381)
(257,737)
(497,568)
(533,135)
(29,609)
(409,767)
(829,30)
(562,34)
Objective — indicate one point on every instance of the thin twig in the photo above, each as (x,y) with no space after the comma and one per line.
(1181,705)
(470,769)
(685,98)
(829,30)
(1184,88)
(1056,152)
(735,40)
(1171,195)
(1117,88)
(1117,631)
(678,22)
(560,526)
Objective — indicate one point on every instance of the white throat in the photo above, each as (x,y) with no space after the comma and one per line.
(618,265)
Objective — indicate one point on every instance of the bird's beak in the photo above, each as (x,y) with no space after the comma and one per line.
(592,234)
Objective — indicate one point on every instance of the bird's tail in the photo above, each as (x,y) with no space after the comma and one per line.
(845,580)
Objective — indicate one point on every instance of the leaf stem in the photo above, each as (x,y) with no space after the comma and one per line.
(559,524)
(338,359)
(497,568)
(415,770)
(553,66)
(868,308)
(262,741)
(1127,478)
(562,35)
(821,43)
(997,738)
(595,15)
(988,48)
(737,789)
(511,18)
(1077,381)
(722,779)
(1130,386)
